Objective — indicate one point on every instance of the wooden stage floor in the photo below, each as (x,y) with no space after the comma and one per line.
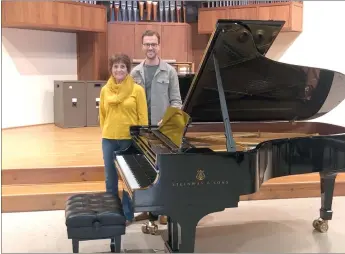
(44,165)
(48,146)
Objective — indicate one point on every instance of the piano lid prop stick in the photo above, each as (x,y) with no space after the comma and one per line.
(230,143)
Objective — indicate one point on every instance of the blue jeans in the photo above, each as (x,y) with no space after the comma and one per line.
(109,147)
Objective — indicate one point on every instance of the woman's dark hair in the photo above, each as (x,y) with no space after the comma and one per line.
(120,58)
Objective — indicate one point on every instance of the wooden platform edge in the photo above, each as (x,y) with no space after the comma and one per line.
(56,201)
(52,175)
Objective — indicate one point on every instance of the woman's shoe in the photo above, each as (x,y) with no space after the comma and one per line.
(142,216)
(128,222)
(163,219)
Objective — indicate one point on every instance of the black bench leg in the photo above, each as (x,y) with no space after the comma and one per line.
(75,246)
(115,245)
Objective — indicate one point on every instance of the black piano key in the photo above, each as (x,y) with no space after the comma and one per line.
(141,169)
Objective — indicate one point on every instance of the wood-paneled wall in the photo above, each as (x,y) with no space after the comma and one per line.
(97,40)
(68,16)
(180,42)
(176,39)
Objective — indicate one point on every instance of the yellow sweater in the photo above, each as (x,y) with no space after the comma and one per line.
(121,106)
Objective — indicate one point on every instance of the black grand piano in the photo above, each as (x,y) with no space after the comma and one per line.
(220,145)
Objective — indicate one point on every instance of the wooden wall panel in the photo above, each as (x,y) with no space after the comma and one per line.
(275,13)
(101,57)
(91,56)
(297,17)
(208,18)
(291,12)
(176,41)
(171,48)
(54,15)
(199,43)
(93,18)
(249,12)
(120,39)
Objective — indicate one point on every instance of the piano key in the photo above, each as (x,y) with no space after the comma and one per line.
(127,173)
(137,170)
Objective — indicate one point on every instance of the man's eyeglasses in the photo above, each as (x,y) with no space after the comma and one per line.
(153,45)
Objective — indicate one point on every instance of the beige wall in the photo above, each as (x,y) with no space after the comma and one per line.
(31,61)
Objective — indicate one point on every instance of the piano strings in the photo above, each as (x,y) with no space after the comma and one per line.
(244,140)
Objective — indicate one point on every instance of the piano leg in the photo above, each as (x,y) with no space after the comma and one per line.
(327,188)
(187,235)
(172,234)
(183,240)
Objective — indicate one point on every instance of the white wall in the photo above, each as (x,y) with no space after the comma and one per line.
(321,44)
(31,61)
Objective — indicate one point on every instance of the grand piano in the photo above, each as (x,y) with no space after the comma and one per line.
(245,120)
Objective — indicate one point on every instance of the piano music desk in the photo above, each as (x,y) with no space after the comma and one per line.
(56,163)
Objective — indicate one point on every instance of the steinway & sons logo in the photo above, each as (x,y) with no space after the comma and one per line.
(200,180)
(200,175)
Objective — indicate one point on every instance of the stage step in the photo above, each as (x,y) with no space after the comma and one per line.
(52,175)
(44,197)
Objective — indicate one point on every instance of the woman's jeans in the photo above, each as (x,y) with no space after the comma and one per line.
(109,147)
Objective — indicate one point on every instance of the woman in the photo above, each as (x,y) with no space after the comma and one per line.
(122,104)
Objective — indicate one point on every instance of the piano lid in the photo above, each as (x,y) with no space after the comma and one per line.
(257,88)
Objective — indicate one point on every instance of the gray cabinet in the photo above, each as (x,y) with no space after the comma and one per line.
(93,90)
(69,104)
(76,103)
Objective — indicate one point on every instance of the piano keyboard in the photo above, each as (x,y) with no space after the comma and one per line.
(137,170)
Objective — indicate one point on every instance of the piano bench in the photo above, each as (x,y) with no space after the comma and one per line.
(95,216)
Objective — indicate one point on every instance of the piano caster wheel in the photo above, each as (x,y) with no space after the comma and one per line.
(149,228)
(321,225)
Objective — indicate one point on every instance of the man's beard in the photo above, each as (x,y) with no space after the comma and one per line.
(150,55)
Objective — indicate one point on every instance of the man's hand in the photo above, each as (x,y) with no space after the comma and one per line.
(160,122)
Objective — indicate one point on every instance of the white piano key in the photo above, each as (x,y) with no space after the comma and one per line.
(127,172)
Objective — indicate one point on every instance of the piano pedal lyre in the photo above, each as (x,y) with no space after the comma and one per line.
(321,225)
(149,228)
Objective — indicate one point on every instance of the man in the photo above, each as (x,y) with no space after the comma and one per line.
(160,82)
(158,78)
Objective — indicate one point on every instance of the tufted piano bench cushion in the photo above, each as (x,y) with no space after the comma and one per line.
(95,216)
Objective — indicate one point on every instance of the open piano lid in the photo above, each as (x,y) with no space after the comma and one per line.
(257,88)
